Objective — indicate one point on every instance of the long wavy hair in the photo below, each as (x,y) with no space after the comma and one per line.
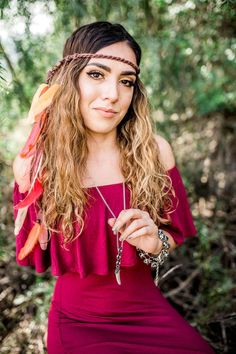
(65,149)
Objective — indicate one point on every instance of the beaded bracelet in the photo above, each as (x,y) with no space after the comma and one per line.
(159,259)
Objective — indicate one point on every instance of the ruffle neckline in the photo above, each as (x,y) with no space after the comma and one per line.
(94,251)
(119,183)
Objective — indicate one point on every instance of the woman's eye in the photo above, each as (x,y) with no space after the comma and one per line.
(94,73)
(128,83)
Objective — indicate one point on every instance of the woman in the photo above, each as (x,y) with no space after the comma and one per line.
(95,178)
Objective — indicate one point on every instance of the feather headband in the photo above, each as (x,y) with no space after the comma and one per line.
(66,60)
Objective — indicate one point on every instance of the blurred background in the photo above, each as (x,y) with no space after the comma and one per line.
(189,69)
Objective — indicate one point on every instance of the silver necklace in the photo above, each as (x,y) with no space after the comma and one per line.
(118,245)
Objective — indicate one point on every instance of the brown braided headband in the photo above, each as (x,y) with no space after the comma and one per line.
(74,56)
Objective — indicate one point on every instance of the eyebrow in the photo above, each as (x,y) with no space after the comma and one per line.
(127,72)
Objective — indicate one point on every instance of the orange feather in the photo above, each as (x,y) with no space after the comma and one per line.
(30,145)
(31,241)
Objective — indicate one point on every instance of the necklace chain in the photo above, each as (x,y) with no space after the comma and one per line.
(118,246)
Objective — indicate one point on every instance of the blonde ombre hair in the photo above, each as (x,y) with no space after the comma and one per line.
(65,153)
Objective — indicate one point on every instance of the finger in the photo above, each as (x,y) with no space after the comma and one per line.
(122,228)
(144,231)
(111,221)
(134,225)
(125,216)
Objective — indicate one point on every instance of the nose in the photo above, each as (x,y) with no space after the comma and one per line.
(110,91)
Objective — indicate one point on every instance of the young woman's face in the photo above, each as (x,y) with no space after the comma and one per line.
(106,84)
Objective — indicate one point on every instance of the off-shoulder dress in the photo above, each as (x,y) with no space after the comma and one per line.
(89,311)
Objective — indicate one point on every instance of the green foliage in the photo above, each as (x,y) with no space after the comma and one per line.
(188,67)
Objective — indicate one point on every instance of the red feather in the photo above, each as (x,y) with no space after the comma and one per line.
(36,191)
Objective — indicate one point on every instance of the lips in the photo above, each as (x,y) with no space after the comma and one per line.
(105,110)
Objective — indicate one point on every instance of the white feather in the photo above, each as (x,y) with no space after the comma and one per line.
(21,214)
(20,218)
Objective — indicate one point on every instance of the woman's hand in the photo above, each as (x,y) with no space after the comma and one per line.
(137,228)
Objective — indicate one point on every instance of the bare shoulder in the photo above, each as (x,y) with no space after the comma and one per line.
(166,152)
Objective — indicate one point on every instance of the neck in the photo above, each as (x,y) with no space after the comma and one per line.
(100,145)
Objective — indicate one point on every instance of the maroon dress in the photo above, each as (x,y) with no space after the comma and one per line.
(90,312)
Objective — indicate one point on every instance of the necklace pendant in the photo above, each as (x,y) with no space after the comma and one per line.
(119,247)
(117,274)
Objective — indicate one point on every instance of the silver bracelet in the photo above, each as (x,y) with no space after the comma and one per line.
(158,259)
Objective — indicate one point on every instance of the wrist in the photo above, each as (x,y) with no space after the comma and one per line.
(158,247)
(162,242)
(157,259)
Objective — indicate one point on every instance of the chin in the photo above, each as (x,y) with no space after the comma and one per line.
(101,129)
(101,126)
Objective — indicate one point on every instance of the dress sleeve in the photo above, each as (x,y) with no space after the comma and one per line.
(182,225)
(38,258)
